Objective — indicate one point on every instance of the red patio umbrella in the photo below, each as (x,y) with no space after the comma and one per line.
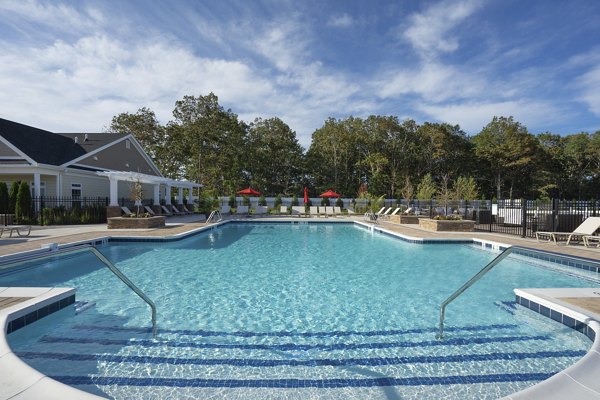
(306,195)
(330,193)
(248,192)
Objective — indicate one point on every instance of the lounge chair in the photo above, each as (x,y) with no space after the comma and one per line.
(337,211)
(314,211)
(176,211)
(149,211)
(387,216)
(166,211)
(408,211)
(283,210)
(260,210)
(591,238)
(385,213)
(298,210)
(16,228)
(242,210)
(329,212)
(587,228)
(126,211)
(380,211)
(185,209)
(225,210)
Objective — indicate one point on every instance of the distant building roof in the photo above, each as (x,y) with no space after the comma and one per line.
(45,147)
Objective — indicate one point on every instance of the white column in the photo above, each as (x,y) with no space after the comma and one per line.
(157,194)
(59,185)
(180,195)
(190,196)
(168,194)
(36,190)
(114,192)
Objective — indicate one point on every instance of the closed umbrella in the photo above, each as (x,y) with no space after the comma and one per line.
(306,195)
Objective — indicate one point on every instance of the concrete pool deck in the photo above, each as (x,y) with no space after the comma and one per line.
(578,381)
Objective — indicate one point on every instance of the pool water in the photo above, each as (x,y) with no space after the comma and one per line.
(297,311)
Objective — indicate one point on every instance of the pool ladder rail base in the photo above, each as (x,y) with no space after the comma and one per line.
(468,284)
(215,214)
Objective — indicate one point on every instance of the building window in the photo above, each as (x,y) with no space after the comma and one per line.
(42,189)
(76,194)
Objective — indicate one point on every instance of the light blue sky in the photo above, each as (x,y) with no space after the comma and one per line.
(72,65)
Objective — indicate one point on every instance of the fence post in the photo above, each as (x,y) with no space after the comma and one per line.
(554,215)
(430,208)
(524,217)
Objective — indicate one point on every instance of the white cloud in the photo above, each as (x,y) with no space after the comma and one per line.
(429,31)
(473,116)
(590,89)
(341,21)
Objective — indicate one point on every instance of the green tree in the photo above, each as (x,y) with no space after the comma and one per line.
(510,151)
(23,203)
(465,189)
(426,189)
(3,198)
(12,196)
(274,157)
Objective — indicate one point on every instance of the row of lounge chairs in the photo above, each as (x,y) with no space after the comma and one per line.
(174,211)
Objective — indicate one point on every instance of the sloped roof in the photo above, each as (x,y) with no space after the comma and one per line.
(53,148)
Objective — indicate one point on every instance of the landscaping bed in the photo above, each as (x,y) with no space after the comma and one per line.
(446,225)
(136,223)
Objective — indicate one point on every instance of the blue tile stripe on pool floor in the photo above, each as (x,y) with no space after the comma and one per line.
(393,332)
(292,346)
(320,362)
(303,383)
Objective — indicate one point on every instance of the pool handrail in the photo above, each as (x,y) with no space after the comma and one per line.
(215,213)
(85,247)
(467,285)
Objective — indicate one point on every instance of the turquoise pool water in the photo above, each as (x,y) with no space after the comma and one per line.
(297,311)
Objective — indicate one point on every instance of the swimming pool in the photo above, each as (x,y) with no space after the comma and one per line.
(297,311)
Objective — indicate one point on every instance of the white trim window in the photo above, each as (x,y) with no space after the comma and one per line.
(76,191)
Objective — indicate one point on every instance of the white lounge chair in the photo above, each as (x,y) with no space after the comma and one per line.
(329,212)
(283,210)
(126,211)
(387,216)
(314,211)
(298,210)
(587,228)
(166,210)
(242,210)
(591,238)
(225,210)
(149,211)
(185,209)
(260,210)
(337,211)
(385,213)
(176,211)
(16,228)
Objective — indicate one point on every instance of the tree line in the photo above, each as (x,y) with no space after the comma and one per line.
(207,144)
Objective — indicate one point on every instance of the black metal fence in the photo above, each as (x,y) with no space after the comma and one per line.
(68,210)
(514,217)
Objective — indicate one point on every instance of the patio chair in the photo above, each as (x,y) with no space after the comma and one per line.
(388,216)
(329,212)
(166,211)
(283,210)
(225,210)
(149,211)
(176,211)
(385,213)
(299,211)
(314,211)
(16,228)
(587,228)
(337,211)
(260,210)
(185,209)
(241,210)
(126,211)
(591,238)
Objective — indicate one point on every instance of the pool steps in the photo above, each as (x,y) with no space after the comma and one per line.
(578,380)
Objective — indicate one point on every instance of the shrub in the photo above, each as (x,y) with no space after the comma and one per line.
(278,201)
(232,201)
(339,202)
(12,197)
(262,201)
(245,201)
(23,203)
(295,200)
(3,198)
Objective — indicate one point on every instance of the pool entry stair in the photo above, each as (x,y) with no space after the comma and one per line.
(468,284)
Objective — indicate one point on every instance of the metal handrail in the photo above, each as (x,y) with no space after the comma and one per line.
(213,214)
(467,285)
(114,270)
